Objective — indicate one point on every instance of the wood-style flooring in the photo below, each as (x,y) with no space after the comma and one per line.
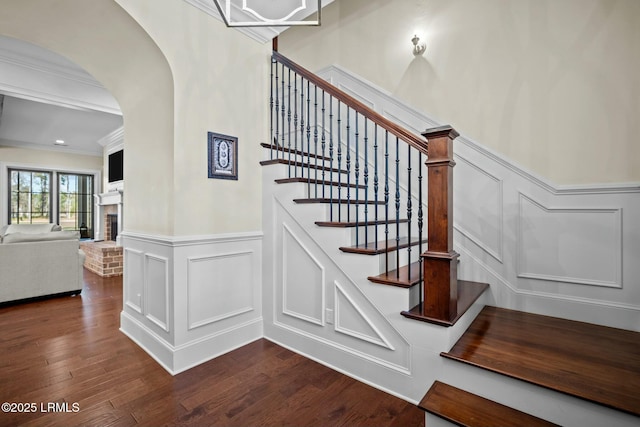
(67,353)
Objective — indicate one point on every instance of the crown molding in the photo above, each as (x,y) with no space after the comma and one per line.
(116,136)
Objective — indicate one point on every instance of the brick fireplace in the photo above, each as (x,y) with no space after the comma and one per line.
(104,255)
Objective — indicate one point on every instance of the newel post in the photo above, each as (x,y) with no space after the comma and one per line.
(440,260)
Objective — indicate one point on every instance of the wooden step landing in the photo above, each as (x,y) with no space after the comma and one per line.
(469,410)
(591,362)
(373,248)
(468,293)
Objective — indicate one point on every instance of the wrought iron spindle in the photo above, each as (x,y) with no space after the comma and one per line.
(375,179)
(308,138)
(331,157)
(386,199)
(315,136)
(324,142)
(366,182)
(348,164)
(420,219)
(277,111)
(295,119)
(357,176)
(397,206)
(339,163)
(289,117)
(302,126)
(282,112)
(271,104)
(408,210)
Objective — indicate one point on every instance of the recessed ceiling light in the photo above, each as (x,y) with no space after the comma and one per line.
(59,142)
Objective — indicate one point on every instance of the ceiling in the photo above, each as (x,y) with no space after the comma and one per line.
(31,117)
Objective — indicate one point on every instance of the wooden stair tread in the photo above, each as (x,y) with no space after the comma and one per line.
(403,277)
(299,164)
(294,151)
(470,410)
(336,224)
(306,180)
(468,293)
(592,362)
(376,248)
(340,201)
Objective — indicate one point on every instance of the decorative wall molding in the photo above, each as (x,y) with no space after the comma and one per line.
(133,279)
(303,290)
(205,287)
(600,254)
(473,197)
(350,306)
(156,290)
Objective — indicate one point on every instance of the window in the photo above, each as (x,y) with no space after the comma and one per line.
(30,197)
(75,203)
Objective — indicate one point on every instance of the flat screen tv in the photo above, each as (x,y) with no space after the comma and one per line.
(115,166)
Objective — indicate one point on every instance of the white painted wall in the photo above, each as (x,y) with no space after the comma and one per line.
(553,86)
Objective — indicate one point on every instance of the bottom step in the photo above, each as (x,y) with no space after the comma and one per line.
(467,409)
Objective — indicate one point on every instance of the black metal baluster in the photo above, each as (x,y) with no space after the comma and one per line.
(357,176)
(315,135)
(386,200)
(324,142)
(277,111)
(420,219)
(375,179)
(331,158)
(302,126)
(397,205)
(282,113)
(289,117)
(295,119)
(339,164)
(408,210)
(271,104)
(366,182)
(308,139)
(348,165)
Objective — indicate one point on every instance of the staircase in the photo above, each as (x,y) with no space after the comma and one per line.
(355,263)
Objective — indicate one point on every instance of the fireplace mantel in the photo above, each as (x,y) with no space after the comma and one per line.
(102,201)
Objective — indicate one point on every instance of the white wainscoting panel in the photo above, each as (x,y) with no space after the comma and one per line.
(209,298)
(581,246)
(156,302)
(133,281)
(200,295)
(303,284)
(479,206)
(352,320)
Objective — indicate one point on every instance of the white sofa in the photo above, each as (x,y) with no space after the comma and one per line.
(38,260)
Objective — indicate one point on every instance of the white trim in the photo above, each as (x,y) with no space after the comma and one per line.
(165,261)
(177,241)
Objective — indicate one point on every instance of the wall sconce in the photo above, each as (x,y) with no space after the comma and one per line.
(418,48)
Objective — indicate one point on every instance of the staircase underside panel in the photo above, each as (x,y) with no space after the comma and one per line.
(592,362)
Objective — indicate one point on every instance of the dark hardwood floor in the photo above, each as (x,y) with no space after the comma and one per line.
(67,354)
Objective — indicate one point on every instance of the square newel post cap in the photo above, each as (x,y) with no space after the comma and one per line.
(440,131)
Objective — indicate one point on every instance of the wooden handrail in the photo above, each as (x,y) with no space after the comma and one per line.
(405,135)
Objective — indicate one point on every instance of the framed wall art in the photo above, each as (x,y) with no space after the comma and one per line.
(223,156)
